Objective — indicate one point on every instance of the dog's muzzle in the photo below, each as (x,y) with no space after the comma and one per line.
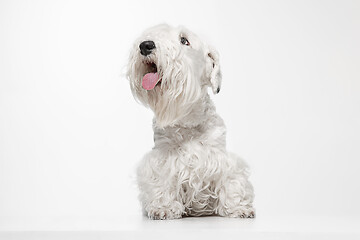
(146,47)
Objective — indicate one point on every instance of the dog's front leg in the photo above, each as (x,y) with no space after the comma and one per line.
(158,188)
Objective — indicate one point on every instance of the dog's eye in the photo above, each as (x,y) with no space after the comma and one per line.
(184,41)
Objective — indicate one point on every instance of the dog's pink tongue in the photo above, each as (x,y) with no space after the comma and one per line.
(150,80)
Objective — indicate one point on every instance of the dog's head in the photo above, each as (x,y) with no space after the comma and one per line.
(170,70)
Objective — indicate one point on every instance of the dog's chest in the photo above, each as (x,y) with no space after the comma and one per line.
(196,157)
(196,151)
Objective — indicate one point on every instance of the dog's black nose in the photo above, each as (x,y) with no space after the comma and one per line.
(146,47)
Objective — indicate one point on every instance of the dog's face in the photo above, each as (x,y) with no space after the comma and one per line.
(169,71)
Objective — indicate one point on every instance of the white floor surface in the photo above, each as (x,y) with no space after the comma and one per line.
(138,227)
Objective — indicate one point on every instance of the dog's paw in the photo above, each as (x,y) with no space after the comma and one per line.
(240,214)
(247,212)
(163,214)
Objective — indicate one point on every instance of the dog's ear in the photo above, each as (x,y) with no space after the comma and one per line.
(215,73)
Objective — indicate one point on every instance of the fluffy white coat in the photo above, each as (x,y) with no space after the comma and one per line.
(189,171)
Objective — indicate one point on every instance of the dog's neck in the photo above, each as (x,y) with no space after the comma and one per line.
(200,113)
(202,122)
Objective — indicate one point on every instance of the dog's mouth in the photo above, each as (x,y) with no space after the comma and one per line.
(151,78)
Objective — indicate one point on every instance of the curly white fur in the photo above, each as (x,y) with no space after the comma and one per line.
(189,171)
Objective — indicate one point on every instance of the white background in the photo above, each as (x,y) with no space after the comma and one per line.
(71,133)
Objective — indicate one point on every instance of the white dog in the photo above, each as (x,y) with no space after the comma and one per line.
(188,172)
